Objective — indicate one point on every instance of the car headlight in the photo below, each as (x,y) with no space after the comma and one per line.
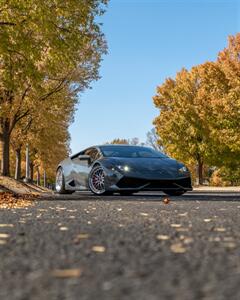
(123,168)
(183,169)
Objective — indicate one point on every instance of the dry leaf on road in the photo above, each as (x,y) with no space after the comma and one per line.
(163,237)
(66,273)
(4,235)
(175,225)
(99,249)
(166,200)
(178,248)
(63,228)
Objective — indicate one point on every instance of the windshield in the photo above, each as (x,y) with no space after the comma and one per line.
(131,152)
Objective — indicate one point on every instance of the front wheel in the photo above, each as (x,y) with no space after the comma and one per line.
(96,181)
(60,182)
(174,193)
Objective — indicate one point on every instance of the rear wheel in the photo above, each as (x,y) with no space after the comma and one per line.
(60,182)
(96,181)
(174,193)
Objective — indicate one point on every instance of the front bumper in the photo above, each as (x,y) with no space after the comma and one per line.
(144,184)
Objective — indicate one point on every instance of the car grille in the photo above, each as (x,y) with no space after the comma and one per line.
(129,182)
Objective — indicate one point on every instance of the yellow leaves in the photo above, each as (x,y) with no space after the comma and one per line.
(10,200)
(199,110)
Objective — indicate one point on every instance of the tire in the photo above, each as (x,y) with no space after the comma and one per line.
(174,193)
(96,181)
(60,182)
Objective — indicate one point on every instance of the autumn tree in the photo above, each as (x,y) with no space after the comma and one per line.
(229,62)
(45,47)
(199,112)
(46,133)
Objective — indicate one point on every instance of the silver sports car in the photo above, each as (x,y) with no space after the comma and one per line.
(122,169)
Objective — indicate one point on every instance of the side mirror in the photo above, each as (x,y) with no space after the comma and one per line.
(84,158)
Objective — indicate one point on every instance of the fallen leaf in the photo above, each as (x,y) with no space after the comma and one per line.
(207,220)
(228,239)
(214,239)
(83,236)
(3,242)
(178,248)
(183,214)
(219,229)
(187,241)
(163,237)
(143,214)
(181,229)
(63,228)
(230,245)
(166,200)
(4,235)
(175,225)
(66,273)
(99,249)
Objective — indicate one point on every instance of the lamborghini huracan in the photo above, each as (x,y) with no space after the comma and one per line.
(123,169)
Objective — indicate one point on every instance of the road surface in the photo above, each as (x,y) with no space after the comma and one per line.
(137,247)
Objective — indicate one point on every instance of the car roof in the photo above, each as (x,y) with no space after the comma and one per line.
(106,145)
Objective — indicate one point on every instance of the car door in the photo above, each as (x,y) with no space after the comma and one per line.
(82,168)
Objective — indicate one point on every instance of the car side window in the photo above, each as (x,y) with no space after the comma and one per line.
(93,153)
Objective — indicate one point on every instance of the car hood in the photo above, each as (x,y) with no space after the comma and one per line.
(154,168)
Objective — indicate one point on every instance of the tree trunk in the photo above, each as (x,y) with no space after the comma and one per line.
(18,168)
(38,176)
(4,147)
(200,172)
(31,166)
(44,179)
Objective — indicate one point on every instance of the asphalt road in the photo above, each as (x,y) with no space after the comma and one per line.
(85,247)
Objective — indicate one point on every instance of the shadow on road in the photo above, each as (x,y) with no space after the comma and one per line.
(153,196)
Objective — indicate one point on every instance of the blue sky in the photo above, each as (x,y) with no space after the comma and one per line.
(148,40)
